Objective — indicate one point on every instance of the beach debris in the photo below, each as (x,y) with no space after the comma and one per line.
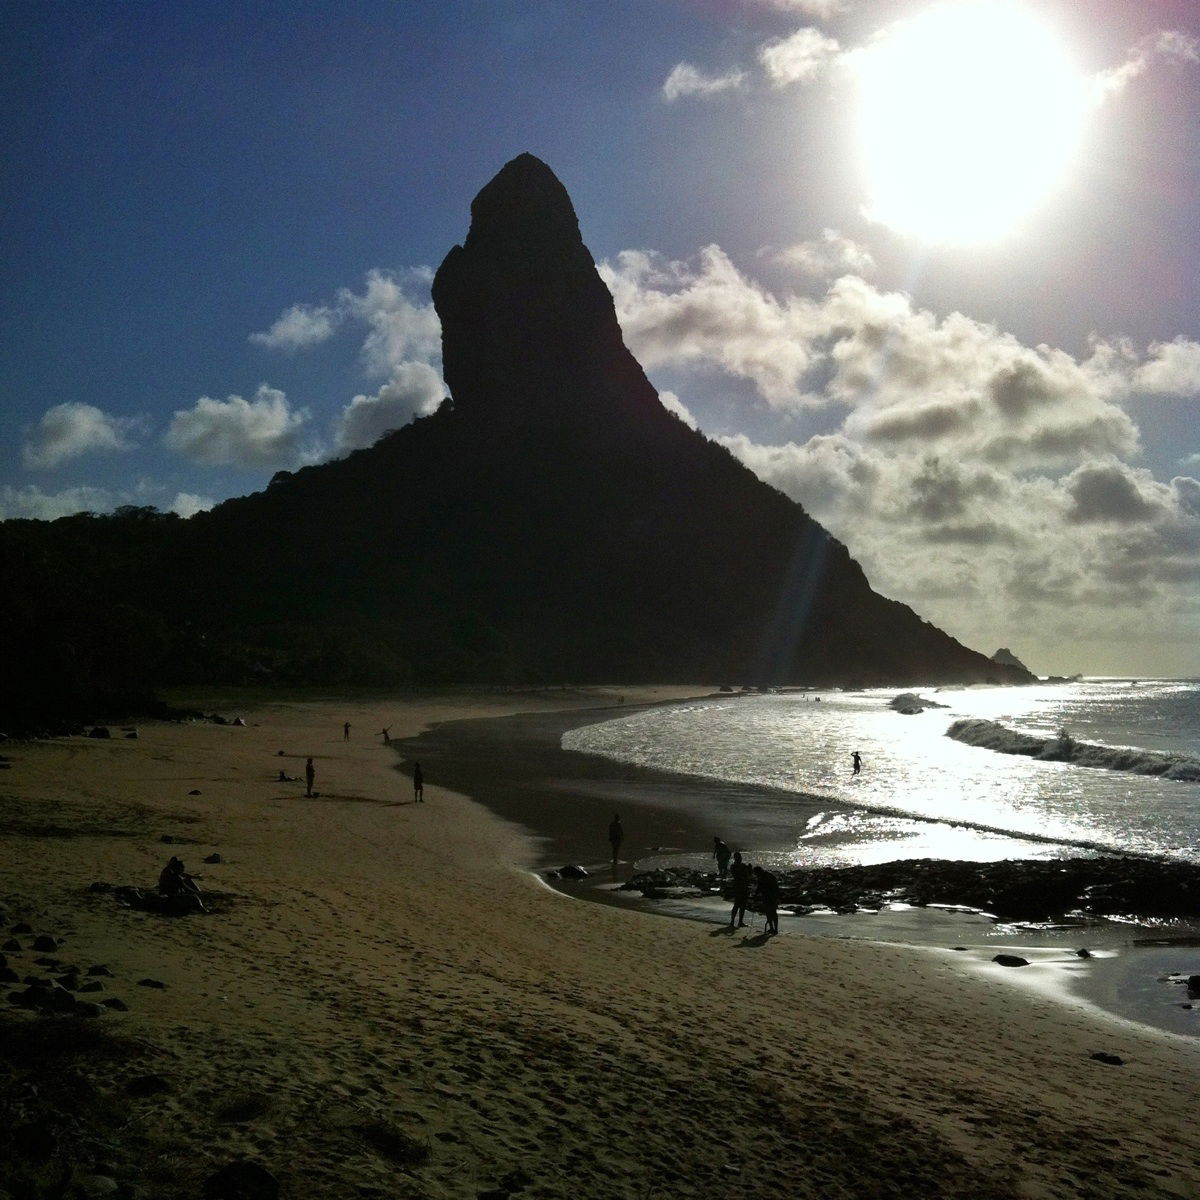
(1113,1060)
(243,1179)
(1010,960)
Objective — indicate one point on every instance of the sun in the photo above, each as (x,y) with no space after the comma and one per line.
(970,114)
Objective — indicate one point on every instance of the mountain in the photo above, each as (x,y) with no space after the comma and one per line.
(552,521)
(1008,658)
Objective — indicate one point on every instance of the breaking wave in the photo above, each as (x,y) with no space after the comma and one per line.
(991,735)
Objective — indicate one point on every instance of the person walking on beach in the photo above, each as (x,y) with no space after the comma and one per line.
(346,732)
(616,835)
(310,773)
(740,873)
(766,892)
(856,759)
(418,784)
(385,733)
(721,853)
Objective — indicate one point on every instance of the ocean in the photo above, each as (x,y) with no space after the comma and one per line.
(974,773)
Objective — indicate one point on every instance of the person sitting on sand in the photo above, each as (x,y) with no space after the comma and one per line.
(176,884)
(740,873)
(285,778)
(721,853)
(766,892)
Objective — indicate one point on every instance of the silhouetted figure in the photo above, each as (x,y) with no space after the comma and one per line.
(418,784)
(740,873)
(721,853)
(766,892)
(286,778)
(616,835)
(176,884)
(346,732)
(856,759)
(386,735)
(310,773)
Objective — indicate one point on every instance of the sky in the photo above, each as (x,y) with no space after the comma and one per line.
(929,267)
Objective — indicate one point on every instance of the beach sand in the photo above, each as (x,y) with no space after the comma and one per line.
(386,1002)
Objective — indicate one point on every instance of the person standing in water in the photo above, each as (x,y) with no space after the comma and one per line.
(616,835)
(740,872)
(856,759)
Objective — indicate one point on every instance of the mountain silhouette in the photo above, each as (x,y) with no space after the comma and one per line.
(550,522)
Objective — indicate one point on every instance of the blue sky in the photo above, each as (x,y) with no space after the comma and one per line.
(220,223)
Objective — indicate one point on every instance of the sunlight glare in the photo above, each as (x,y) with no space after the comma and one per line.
(970,115)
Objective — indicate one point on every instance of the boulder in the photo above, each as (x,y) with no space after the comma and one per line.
(1010,960)
(572,871)
(241,1180)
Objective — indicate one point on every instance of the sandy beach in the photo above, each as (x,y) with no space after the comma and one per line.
(386,1002)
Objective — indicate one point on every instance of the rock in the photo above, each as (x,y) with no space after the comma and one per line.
(194,792)
(8,975)
(22,927)
(87,1008)
(132,735)
(93,985)
(45,942)
(95,1187)
(1113,1060)
(239,722)
(1010,960)
(116,1004)
(151,983)
(1193,985)
(1083,952)
(213,858)
(242,1180)
(99,887)
(572,871)
(12,946)
(100,731)
(98,969)
(147,1085)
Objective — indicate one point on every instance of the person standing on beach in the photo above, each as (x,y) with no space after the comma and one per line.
(385,733)
(346,732)
(856,759)
(310,773)
(766,892)
(418,784)
(721,853)
(740,872)
(616,835)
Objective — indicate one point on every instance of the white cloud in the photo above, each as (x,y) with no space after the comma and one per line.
(686,80)
(32,503)
(1171,369)
(252,434)
(797,58)
(402,328)
(1167,44)
(673,404)
(298,327)
(821,9)
(831,254)
(415,388)
(69,430)
(186,504)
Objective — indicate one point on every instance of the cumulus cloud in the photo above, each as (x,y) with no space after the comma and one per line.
(31,503)
(1114,492)
(1167,44)
(253,434)
(69,430)
(1171,368)
(686,80)
(831,254)
(821,9)
(186,504)
(798,58)
(298,327)
(414,389)
(673,404)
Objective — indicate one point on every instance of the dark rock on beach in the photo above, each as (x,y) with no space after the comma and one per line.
(1010,960)
(1012,890)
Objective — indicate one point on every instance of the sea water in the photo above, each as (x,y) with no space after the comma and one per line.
(1101,764)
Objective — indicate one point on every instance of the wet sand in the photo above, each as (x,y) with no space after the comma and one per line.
(385,1002)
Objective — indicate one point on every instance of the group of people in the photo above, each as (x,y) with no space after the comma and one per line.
(174,883)
(747,879)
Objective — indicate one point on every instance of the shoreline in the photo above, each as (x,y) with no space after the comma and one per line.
(515,766)
(384,1004)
